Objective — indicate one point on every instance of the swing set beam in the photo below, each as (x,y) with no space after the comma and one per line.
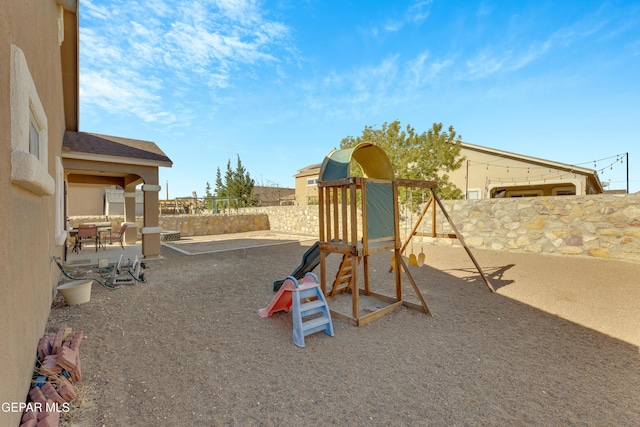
(433,200)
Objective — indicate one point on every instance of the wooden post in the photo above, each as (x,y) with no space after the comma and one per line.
(466,248)
(396,249)
(327,214)
(323,267)
(336,218)
(345,214)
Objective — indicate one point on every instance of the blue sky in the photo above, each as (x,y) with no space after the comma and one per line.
(280,83)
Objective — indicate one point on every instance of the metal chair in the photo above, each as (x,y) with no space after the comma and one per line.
(117,237)
(88,233)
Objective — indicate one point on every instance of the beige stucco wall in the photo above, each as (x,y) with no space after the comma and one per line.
(484,171)
(85,199)
(27,275)
(305,192)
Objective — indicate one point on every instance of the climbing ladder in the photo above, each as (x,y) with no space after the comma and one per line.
(310,313)
(344,276)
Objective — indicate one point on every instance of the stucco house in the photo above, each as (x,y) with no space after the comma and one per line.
(307,185)
(488,173)
(43,151)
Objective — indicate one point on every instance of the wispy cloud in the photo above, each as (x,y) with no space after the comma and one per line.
(362,91)
(172,48)
(512,54)
(416,13)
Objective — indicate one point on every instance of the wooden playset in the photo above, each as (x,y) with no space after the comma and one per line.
(359,217)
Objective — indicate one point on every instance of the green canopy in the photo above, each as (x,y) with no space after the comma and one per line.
(371,158)
(375,164)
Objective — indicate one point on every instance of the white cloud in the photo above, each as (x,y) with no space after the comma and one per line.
(91,9)
(512,55)
(415,14)
(117,94)
(138,49)
(419,12)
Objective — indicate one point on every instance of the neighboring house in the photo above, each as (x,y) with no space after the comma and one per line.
(274,196)
(38,114)
(489,173)
(307,185)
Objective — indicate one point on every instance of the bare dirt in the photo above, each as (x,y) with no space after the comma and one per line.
(557,344)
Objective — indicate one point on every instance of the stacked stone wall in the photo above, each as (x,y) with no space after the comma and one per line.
(190,225)
(604,226)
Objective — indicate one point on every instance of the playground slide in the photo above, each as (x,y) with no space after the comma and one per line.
(310,260)
(282,300)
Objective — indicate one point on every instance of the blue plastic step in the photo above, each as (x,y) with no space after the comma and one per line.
(302,308)
(315,325)
(311,307)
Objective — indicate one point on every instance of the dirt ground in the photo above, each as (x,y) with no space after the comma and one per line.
(557,344)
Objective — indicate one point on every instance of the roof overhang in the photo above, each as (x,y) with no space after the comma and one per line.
(110,160)
(112,149)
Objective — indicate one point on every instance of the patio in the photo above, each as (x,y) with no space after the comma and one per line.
(89,256)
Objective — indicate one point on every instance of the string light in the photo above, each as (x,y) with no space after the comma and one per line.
(609,162)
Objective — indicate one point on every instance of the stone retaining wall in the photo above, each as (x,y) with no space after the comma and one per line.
(605,226)
(191,225)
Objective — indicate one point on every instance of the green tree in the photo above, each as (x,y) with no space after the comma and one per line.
(208,197)
(220,189)
(238,184)
(430,155)
(244,185)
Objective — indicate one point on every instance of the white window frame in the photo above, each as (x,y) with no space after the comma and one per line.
(563,190)
(61,233)
(28,171)
(477,191)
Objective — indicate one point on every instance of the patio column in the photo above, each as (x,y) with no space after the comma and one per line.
(131,235)
(151,230)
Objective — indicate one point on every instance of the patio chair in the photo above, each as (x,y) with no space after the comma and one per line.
(88,233)
(117,237)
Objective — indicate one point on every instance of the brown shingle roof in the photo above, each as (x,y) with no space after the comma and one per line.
(90,143)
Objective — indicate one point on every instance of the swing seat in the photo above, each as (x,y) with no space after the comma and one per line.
(421,259)
(413,260)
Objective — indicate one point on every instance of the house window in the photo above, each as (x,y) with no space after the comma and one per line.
(563,191)
(34,139)
(29,131)
(311,182)
(473,194)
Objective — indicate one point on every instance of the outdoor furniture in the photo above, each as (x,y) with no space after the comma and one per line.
(87,233)
(72,239)
(117,237)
